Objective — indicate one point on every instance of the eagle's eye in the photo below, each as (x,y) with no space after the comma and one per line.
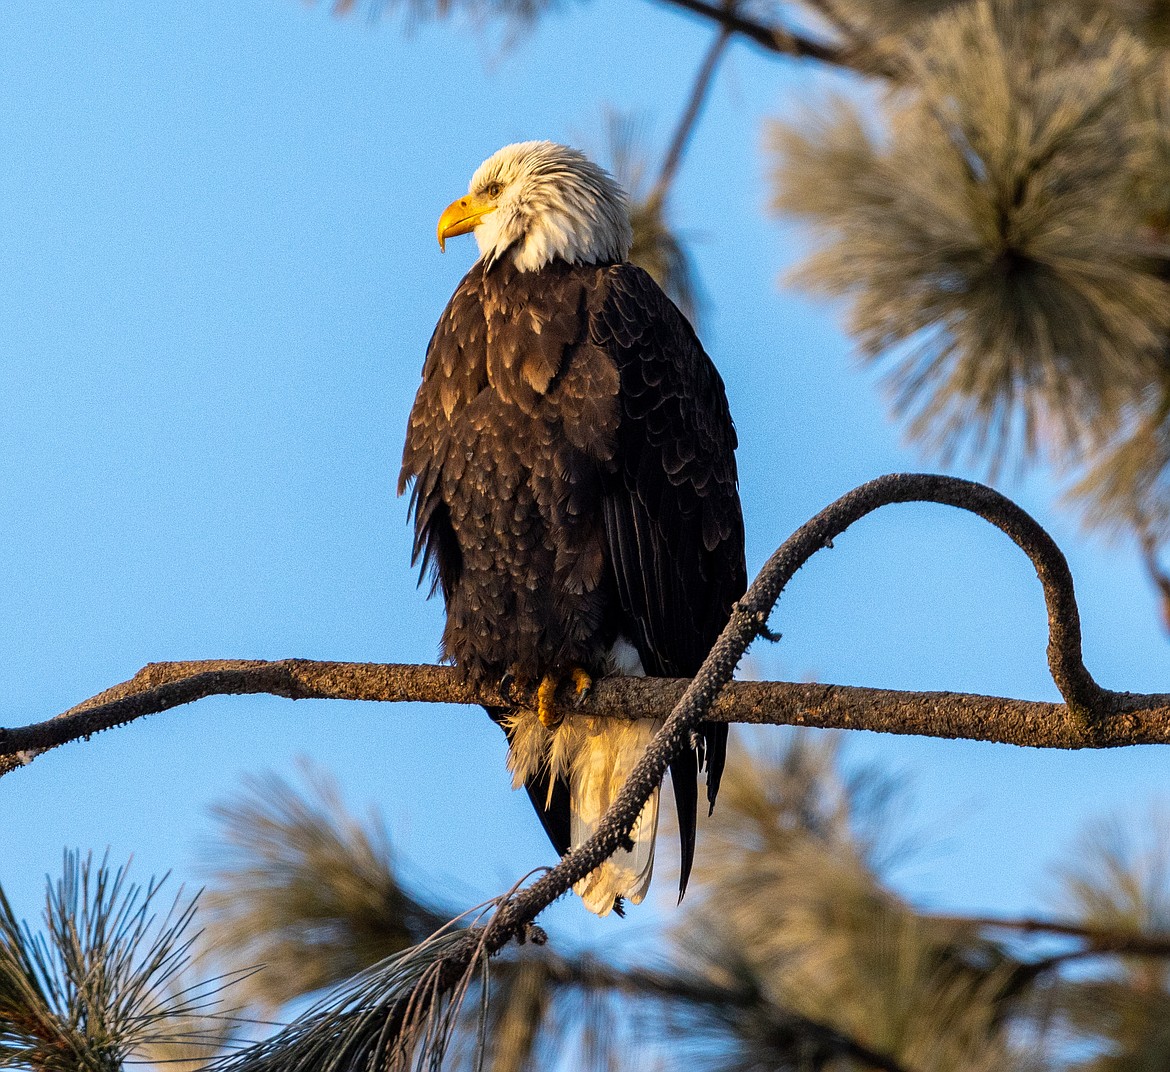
(494,189)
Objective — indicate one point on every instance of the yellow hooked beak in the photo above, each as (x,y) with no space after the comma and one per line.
(462,216)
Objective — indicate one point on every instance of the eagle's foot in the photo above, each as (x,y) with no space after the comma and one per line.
(546,702)
(546,695)
(582,683)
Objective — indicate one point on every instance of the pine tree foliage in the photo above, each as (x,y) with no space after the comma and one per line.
(990,233)
(880,19)
(304,892)
(97,986)
(396,1016)
(792,892)
(793,954)
(1120,881)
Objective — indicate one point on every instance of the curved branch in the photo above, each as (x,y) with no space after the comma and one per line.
(1087,702)
(1092,717)
(749,619)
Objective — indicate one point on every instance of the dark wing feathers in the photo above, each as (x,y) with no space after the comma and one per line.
(673,524)
(456,367)
(673,532)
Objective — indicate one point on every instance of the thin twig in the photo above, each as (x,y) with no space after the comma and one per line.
(1096,941)
(686,125)
(1060,927)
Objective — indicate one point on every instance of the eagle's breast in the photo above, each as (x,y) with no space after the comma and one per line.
(514,424)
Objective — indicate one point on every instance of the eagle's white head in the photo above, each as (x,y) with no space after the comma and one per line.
(536,201)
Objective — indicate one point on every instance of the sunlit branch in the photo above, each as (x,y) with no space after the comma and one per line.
(1126,719)
(1091,717)
(1089,707)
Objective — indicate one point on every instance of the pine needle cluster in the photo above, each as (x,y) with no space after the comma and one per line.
(99,985)
(1119,880)
(986,221)
(797,955)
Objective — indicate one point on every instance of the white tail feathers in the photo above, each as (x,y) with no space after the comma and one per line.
(596,756)
(599,770)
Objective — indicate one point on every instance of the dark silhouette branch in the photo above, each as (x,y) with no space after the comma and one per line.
(1095,941)
(1091,717)
(785,42)
(690,116)
(589,974)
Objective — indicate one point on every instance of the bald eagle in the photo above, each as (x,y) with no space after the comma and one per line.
(573,487)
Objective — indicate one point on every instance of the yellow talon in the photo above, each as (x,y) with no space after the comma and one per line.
(545,706)
(582,682)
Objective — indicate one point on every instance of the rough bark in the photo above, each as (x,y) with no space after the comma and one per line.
(1090,717)
(1124,719)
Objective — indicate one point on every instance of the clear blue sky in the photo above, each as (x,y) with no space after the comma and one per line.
(218,275)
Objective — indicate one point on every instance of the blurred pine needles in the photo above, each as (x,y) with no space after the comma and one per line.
(997,217)
(796,954)
(793,952)
(303,891)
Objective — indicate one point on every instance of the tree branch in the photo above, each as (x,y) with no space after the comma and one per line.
(1129,718)
(669,985)
(1088,705)
(1097,941)
(690,116)
(1091,717)
(783,41)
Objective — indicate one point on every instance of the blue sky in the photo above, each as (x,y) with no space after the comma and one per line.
(218,275)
